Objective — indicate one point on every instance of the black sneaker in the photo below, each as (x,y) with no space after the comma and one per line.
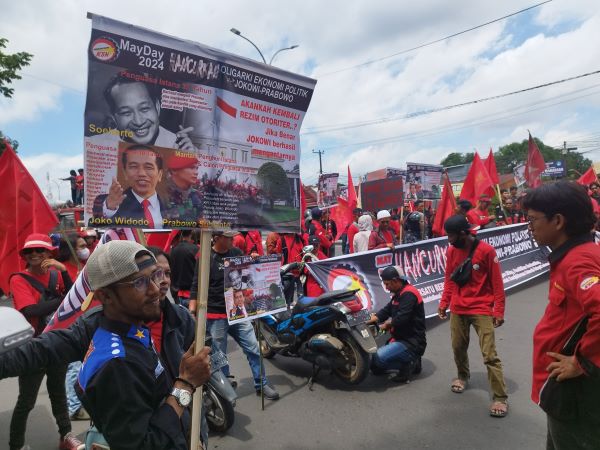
(417,367)
(269,392)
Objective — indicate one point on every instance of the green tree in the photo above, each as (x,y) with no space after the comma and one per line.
(9,65)
(273,182)
(511,155)
(456,159)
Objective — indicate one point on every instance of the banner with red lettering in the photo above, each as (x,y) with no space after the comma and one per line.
(181,135)
(424,263)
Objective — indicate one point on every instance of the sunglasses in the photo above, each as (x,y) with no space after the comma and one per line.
(142,283)
(29,251)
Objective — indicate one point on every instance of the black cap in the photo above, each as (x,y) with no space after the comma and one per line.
(316,213)
(465,204)
(357,211)
(456,224)
(392,273)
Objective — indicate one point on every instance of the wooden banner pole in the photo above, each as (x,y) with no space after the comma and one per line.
(203,277)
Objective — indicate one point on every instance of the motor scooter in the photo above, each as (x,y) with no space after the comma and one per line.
(329,331)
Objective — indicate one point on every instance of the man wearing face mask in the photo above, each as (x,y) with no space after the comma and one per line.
(478,303)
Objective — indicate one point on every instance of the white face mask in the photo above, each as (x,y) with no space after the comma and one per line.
(83,254)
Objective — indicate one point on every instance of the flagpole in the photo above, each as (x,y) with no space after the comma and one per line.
(500,200)
(203,277)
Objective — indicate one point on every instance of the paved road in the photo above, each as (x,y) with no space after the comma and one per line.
(378,414)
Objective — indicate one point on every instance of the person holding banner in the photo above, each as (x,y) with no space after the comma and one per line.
(122,383)
(475,294)
(566,341)
(143,167)
(216,324)
(172,335)
(404,317)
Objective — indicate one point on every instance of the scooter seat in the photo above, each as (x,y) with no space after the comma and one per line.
(303,304)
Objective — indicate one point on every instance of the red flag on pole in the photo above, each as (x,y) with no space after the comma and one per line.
(477,182)
(535,165)
(446,208)
(342,213)
(302,206)
(490,165)
(23,210)
(352,197)
(588,177)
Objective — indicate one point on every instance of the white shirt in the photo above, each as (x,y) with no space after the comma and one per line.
(361,241)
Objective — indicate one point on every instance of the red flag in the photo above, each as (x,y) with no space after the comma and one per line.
(302,205)
(446,208)
(23,210)
(535,165)
(477,182)
(352,197)
(588,177)
(490,165)
(342,215)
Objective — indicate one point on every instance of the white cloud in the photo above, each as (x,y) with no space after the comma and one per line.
(47,173)
(338,34)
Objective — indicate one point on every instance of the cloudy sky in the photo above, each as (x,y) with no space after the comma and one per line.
(367,88)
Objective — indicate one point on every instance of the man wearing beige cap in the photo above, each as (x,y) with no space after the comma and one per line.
(122,383)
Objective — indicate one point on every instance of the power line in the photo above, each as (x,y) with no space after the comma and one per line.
(52,82)
(333,128)
(453,127)
(432,42)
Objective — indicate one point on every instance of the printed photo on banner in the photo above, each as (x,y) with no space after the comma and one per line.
(240,119)
(253,287)
(423,181)
(327,190)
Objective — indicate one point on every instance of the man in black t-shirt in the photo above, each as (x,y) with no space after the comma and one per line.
(183,262)
(216,324)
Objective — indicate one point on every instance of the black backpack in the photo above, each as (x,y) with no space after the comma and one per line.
(48,293)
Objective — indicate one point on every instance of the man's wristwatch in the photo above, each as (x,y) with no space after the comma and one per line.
(183,397)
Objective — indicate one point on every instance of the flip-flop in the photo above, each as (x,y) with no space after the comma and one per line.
(458,386)
(499,409)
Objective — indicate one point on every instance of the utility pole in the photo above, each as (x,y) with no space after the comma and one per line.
(320,153)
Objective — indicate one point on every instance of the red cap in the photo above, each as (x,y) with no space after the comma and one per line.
(485,198)
(182,161)
(38,240)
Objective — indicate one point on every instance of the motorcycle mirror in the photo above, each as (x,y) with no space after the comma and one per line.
(15,330)
(308,249)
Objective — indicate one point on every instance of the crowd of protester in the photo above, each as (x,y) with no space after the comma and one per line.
(54,262)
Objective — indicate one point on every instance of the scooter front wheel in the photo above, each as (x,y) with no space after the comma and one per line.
(356,367)
(220,414)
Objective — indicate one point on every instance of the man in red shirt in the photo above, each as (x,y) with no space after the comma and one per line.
(254,245)
(479,303)
(44,270)
(480,216)
(316,229)
(383,236)
(560,216)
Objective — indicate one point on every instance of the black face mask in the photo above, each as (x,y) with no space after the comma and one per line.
(460,242)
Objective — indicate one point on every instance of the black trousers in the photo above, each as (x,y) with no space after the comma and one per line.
(572,435)
(29,385)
